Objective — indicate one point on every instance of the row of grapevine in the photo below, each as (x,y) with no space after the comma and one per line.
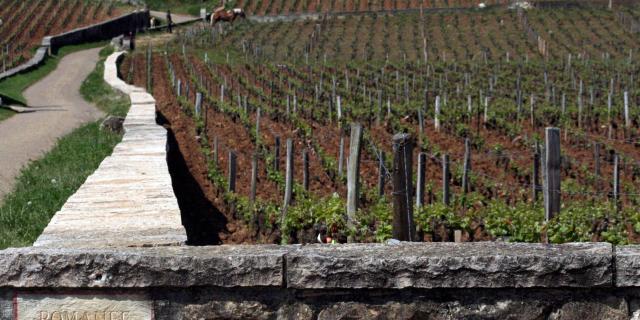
(443,37)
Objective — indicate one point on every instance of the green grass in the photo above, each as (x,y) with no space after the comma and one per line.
(13,87)
(46,184)
(191,7)
(5,114)
(95,90)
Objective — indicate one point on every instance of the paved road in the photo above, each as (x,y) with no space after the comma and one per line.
(177,18)
(58,109)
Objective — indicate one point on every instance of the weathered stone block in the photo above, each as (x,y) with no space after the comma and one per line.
(390,310)
(228,310)
(295,311)
(611,308)
(6,304)
(627,266)
(450,265)
(220,266)
(141,98)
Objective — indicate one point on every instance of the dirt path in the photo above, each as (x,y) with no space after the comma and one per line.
(58,108)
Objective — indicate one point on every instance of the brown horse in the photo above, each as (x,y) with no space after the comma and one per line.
(226,15)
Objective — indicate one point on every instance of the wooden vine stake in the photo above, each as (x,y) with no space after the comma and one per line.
(276,155)
(551,167)
(446,176)
(532,110)
(232,171)
(596,156)
(258,123)
(403,226)
(420,182)
(381,173)
(609,105)
(254,177)
(616,182)
(215,151)
(353,172)
(288,189)
(466,166)
(198,104)
(437,114)
(341,156)
(627,120)
(305,169)
(536,174)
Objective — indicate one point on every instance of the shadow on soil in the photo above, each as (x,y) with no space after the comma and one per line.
(202,220)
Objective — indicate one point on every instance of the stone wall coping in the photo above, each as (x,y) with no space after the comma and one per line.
(350,266)
(171,266)
(451,265)
(627,266)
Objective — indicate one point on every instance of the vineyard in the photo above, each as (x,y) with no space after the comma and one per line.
(296,7)
(288,7)
(26,22)
(456,36)
(265,116)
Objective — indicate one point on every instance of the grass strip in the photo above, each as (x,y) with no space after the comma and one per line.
(95,90)
(191,7)
(5,114)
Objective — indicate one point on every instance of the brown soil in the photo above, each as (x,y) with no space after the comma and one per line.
(364,5)
(349,6)
(313,5)
(262,10)
(287,7)
(388,5)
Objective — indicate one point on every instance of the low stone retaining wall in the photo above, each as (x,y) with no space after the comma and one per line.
(35,61)
(101,31)
(361,281)
(106,30)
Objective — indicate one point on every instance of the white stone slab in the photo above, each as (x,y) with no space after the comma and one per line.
(83,306)
(141,98)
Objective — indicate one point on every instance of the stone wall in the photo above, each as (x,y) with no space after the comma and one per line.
(106,30)
(489,280)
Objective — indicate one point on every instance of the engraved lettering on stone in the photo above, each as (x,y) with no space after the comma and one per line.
(83,307)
